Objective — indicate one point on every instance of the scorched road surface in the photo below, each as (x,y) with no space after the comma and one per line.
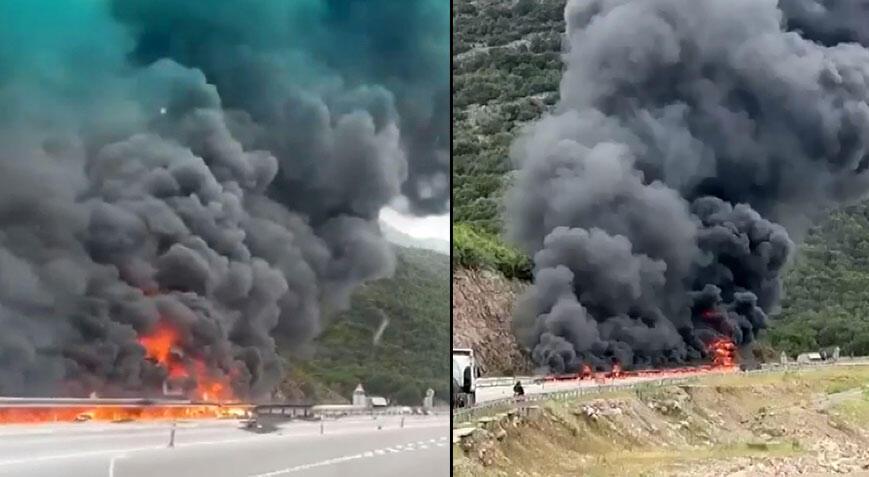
(347,447)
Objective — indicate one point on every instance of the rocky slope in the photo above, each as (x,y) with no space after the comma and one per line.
(482,308)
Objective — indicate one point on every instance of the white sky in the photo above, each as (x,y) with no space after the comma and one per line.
(435,226)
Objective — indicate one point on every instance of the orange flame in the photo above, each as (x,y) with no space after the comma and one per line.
(24,415)
(159,346)
(163,346)
(723,352)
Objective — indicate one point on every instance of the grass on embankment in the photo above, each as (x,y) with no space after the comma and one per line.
(653,431)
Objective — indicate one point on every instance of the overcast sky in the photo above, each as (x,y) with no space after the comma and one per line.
(436,226)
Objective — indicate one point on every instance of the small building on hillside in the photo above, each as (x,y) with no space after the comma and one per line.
(359,398)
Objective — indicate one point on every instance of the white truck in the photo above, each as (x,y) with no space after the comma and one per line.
(465,374)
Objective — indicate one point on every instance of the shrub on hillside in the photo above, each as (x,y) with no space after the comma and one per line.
(479,250)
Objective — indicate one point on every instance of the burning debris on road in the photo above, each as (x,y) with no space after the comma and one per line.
(153,412)
(722,350)
(184,186)
(693,142)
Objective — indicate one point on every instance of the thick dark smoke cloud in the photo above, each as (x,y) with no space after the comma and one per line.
(258,59)
(828,21)
(692,141)
(217,168)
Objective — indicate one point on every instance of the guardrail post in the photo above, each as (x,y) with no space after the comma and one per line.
(321,424)
(402,422)
(172,435)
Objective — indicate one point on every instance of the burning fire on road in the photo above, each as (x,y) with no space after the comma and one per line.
(212,395)
(120,413)
(721,350)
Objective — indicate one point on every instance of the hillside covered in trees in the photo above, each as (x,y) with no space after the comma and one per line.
(827,288)
(409,356)
(507,70)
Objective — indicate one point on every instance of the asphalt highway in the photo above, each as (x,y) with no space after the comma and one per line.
(347,447)
(491,393)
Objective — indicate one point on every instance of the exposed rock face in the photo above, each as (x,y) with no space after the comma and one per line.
(482,309)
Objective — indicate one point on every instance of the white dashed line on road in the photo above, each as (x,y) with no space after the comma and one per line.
(409,447)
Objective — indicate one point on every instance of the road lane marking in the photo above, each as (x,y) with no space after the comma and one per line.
(112,464)
(73,456)
(409,447)
(140,449)
(182,444)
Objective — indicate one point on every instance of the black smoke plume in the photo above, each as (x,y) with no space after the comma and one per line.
(207,166)
(828,21)
(692,140)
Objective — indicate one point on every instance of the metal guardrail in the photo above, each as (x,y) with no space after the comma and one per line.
(504,381)
(484,408)
(488,407)
(334,411)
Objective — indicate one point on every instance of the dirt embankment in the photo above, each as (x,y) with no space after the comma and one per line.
(806,423)
(482,309)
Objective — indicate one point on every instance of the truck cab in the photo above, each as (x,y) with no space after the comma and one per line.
(465,374)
